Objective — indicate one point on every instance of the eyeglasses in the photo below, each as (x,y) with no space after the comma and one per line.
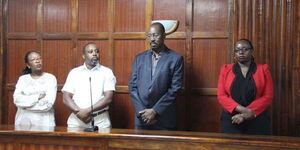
(242,50)
(153,35)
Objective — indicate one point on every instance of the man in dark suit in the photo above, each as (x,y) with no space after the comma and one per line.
(155,81)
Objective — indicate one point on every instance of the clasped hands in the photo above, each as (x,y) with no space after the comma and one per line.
(244,114)
(148,116)
(84,115)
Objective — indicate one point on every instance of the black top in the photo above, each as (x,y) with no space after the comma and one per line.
(243,89)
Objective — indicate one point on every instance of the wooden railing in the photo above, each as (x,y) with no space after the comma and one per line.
(32,138)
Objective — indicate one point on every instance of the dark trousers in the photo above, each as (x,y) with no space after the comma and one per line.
(257,126)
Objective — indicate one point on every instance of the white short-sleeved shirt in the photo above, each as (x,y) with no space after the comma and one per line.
(78,83)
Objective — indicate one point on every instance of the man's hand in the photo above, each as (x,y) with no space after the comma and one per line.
(153,121)
(238,119)
(84,115)
(148,116)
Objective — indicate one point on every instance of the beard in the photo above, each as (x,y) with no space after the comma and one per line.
(92,62)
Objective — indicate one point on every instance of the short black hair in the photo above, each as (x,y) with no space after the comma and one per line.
(247,41)
(84,47)
(26,59)
(160,27)
(27,70)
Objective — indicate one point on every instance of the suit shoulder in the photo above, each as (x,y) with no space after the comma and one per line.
(141,54)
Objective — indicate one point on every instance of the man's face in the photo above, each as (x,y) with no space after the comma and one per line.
(91,55)
(155,37)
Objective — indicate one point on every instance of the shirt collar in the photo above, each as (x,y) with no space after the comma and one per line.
(97,67)
(161,52)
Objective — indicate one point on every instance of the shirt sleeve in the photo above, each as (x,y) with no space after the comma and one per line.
(224,99)
(47,102)
(69,84)
(110,82)
(20,98)
(260,104)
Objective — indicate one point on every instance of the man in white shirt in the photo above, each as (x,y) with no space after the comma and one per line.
(77,94)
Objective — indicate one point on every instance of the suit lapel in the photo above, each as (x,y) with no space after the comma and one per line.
(160,63)
(148,66)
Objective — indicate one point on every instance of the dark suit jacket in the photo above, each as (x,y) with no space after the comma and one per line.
(158,91)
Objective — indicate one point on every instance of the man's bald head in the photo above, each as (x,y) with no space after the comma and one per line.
(159,26)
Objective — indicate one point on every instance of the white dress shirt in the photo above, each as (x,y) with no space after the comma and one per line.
(78,83)
(32,111)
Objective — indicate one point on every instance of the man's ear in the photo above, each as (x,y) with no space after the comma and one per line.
(164,35)
(83,57)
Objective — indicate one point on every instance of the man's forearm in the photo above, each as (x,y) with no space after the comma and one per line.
(101,104)
(104,102)
(69,102)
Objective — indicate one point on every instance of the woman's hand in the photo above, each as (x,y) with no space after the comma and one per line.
(42,95)
(245,112)
(237,119)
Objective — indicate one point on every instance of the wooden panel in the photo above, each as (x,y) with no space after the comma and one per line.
(176,45)
(210,15)
(56,147)
(58,58)
(22,15)
(11,107)
(170,10)
(125,51)
(122,112)
(211,112)
(15,57)
(296,68)
(182,110)
(104,51)
(6,146)
(208,57)
(61,111)
(2,67)
(129,15)
(57,16)
(93,15)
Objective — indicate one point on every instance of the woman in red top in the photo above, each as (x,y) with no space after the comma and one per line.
(245,90)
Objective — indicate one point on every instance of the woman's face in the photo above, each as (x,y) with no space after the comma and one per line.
(243,51)
(35,62)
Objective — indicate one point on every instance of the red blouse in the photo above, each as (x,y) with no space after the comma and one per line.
(264,89)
